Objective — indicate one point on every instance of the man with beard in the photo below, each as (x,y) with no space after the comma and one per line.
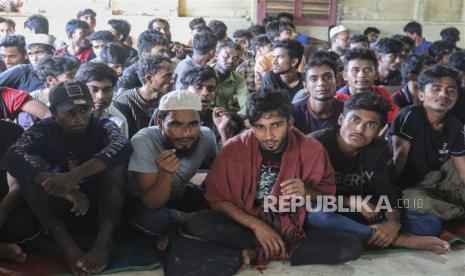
(319,109)
(390,57)
(287,55)
(339,39)
(79,46)
(360,74)
(165,158)
(231,92)
(259,168)
(71,170)
(203,81)
(100,80)
(137,104)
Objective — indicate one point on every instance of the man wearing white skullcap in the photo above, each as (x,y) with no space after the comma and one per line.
(165,159)
(39,46)
(339,39)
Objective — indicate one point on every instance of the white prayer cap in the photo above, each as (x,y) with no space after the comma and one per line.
(180,100)
(337,29)
(40,38)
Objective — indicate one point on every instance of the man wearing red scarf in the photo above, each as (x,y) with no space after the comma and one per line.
(270,161)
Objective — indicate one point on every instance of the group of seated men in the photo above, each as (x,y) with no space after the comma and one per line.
(256,144)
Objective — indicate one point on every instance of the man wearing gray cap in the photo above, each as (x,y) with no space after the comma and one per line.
(71,170)
(165,159)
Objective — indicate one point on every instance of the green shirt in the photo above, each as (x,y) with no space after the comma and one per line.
(232,93)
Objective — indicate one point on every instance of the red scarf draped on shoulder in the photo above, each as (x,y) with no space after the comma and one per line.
(235,172)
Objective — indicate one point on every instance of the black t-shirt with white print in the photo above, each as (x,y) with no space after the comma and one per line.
(369,173)
(269,170)
(429,148)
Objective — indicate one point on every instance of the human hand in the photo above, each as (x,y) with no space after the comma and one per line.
(79,201)
(293,186)
(60,184)
(269,240)
(385,234)
(369,213)
(221,118)
(168,162)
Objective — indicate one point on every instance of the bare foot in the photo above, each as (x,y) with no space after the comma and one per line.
(434,244)
(94,261)
(71,255)
(248,256)
(12,251)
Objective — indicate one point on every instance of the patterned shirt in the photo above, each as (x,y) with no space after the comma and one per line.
(136,109)
(246,69)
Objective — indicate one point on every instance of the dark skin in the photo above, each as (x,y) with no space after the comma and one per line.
(10,202)
(66,185)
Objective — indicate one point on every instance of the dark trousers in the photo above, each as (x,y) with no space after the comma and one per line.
(165,219)
(20,226)
(318,247)
(104,191)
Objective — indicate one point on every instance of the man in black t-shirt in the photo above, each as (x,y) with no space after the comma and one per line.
(287,55)
(363,167)
(426,135)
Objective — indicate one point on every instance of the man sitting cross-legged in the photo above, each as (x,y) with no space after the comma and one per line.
(272,160)
(364,168)
(429,147)
(165,159)
(73,163)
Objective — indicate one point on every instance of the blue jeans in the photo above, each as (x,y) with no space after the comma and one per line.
(417,223)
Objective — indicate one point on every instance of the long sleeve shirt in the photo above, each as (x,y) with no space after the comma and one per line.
(44,147)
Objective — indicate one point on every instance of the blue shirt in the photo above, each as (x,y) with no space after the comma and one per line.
(21,77)
(422,48)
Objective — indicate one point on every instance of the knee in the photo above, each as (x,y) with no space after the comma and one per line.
(199,224)
(351,248)
(319,219)
(426,224)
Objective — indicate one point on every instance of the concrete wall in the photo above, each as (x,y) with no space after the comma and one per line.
(387,15)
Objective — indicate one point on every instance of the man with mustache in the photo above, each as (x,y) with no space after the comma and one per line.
(203,81)
(78,32)
(363,167)
(137,104)
(231,92)
(429,148)
(165,159)
(389,54)
(272,160)
(287,55)
(100,79)
(360,73)
(319,109)
(72,171)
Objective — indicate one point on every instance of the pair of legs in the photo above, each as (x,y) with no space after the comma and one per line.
(318,247)
(165,219)
(418,231)
(105,193)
